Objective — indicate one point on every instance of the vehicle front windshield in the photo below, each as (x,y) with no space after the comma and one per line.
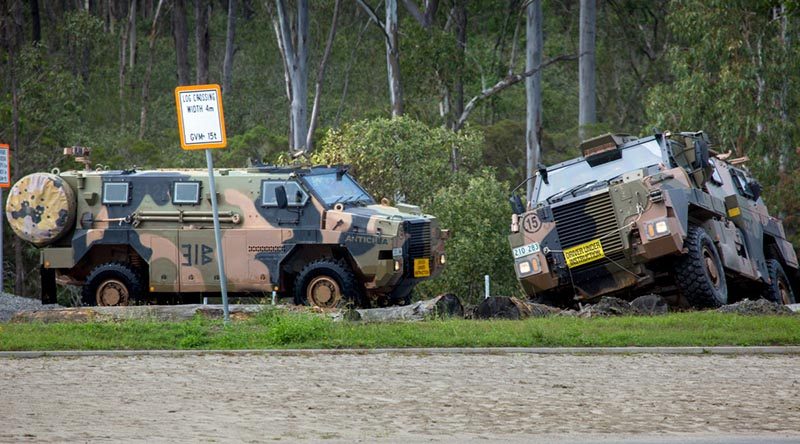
(576,174)
(342,189)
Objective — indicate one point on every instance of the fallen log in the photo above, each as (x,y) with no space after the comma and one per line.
(502,307)
(139,312)
(443,306)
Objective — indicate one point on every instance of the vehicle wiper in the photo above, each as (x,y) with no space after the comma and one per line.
(558,196)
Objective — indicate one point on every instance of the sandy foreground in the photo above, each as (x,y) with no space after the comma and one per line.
(396,397)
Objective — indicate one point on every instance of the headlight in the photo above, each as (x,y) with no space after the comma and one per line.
(442,259)
(532,266)
(656,229)
(396,265)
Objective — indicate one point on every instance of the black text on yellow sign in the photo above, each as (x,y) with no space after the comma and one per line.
(584,253)
(422,267)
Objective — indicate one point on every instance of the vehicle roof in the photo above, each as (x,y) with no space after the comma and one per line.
(261,171)
(581,158)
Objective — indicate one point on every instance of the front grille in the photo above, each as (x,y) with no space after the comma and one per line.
(581,221)
(419,242)
(418,245)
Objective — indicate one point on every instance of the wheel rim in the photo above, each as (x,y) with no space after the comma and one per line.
(784,292)
(711,267)
(112,292)
(323,291)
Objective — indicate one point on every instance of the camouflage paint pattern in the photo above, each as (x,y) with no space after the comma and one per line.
(40,209)
(619,215)
(265,246)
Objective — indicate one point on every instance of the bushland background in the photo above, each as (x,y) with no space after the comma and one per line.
(393,99)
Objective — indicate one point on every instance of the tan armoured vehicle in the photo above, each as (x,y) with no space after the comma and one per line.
(659,213)
(135,236)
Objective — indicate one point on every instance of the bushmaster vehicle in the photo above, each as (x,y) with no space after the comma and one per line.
(660,212)
(134,236)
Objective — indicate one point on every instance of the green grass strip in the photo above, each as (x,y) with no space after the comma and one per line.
(277,330)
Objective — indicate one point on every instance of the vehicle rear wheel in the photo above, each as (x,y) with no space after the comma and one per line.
(699,273)
(112,284)
(779,289)
(327,283)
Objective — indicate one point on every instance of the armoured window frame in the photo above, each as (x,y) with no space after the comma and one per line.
(286,183)
(127,199)
(175,200)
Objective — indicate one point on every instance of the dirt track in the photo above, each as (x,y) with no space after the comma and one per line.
(397,397)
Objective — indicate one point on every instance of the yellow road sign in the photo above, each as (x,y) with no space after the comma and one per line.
(201,121)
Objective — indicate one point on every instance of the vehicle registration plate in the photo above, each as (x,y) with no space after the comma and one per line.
(422,268)
(584,253)
(526,250)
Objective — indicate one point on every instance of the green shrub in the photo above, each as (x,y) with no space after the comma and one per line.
(478,216)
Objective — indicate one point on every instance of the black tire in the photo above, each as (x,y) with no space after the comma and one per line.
(330,275)
(779,290)
(699,273)
(118,278)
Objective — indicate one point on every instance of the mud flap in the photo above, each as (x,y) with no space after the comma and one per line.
(48,285)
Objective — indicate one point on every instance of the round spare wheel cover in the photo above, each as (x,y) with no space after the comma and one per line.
(41,208)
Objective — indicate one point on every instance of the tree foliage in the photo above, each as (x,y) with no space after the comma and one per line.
(401,158)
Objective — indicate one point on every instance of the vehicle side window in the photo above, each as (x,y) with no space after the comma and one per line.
(116,193)
(296,196)
(186,193)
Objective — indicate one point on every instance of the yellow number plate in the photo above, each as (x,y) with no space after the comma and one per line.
(584,253)
(422,268)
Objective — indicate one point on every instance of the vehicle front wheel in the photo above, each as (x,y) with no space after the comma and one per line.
(327,283)
(111,284)
(779,289)
(698,273)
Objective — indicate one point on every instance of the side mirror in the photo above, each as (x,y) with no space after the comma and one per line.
(280,196)
(700,155)
(516,204)
(755,188)
(543,172)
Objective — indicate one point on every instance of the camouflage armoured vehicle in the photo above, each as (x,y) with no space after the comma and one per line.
(314,233)
(661,212)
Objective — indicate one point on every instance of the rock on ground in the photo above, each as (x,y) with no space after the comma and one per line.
(607,306)
(650,305)
(757,307)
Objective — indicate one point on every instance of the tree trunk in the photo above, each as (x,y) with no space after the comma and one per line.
(586,67)
(312,126)
(227,65)
(132,38)
(36,30)
(123,48)
(393,59)
(533,89)
(181,38)
(149,71)
(202,10)
(443,306)
(295,56)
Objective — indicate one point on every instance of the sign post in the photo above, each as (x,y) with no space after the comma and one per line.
(5,182)
(201,124)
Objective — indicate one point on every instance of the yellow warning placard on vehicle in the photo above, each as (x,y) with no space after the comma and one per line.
(422,268)
(584,253)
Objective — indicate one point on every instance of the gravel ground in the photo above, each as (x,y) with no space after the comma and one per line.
(399,398)
(10,304)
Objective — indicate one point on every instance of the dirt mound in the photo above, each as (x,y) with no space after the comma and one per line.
(756,308)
